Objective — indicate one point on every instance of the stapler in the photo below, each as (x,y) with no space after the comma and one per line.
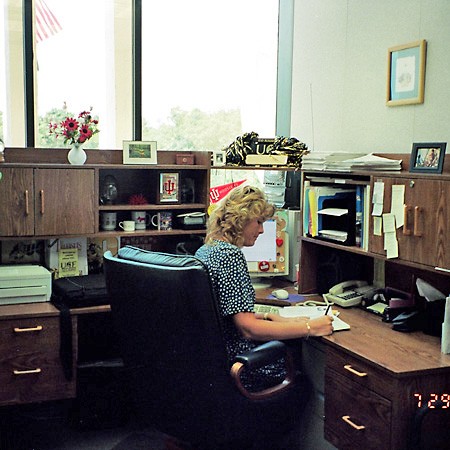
(407,322)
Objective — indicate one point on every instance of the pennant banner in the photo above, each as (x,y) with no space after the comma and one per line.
(217,193)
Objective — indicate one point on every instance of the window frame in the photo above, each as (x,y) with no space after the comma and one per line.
(284,70)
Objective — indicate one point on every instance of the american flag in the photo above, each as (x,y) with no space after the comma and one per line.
(46,22)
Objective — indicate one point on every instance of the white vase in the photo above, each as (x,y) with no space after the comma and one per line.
(76,155)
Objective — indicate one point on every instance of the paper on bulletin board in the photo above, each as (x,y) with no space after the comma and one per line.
(378,198)
(397,201)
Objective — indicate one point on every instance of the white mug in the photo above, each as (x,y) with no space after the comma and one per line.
(127,225)
(141,219)
(108,221)
(162,220)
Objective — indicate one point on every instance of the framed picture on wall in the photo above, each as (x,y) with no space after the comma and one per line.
(139,152)
(406,74)
(428,157)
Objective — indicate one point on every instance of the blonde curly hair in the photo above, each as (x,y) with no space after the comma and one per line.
(234,211)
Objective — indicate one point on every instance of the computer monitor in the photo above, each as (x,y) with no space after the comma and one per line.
(269,257)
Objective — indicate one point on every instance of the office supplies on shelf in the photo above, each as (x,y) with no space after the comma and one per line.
(329,208)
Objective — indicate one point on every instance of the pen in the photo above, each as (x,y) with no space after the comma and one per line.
(328,308)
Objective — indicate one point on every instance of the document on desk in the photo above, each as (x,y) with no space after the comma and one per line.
(313,312)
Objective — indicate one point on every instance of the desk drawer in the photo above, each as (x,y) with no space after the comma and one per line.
(359,371)
(355,417)
(30,365)
(25,335)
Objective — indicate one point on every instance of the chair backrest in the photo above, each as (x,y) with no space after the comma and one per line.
(170,337)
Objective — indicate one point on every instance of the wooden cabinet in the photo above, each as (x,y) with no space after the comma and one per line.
(423,238)
(30,365)
(47,202)
(42,196)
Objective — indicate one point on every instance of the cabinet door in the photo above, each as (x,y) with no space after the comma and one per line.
(16,202)
(422,239)
(64,201)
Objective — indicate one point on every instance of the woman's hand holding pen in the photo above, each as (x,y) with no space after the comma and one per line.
(321,326)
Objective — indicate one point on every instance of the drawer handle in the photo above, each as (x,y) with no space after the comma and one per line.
(355,372)
(41,192)
(26,330)
(346,419)
(27,372)
(406,230)
(27,209)
(417,211)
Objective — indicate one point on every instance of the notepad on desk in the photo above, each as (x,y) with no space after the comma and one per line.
(313,312)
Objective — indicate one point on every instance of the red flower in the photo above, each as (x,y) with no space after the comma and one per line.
(70,124)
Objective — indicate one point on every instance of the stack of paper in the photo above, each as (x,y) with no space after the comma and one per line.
(323,160)
(373,162)
(346,162)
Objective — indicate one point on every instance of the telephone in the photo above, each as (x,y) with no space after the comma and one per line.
(349,293)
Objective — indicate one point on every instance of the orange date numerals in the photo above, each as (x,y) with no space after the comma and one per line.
(432,401)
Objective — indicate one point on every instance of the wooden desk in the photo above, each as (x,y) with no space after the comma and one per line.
(372,376)
(369,373)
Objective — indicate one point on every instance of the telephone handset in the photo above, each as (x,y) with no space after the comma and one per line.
(348,293)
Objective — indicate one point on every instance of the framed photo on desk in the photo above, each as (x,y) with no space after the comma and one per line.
(428,157)
(169,187)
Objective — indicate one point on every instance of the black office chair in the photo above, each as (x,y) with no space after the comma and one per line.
(166,317)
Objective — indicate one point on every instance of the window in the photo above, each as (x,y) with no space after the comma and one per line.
(12,92)
(77,46)
(209,71)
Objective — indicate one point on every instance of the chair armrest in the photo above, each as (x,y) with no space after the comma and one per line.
(261,356)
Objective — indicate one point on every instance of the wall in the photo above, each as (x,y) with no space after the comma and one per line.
(340,70)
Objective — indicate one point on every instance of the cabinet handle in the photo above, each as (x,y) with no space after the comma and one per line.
(406,230)
(417,211)
(27,330)
(27,372)
(355,372)
(27,209)
(346,419)
(41,192)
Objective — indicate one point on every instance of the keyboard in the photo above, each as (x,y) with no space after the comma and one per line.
(262,309)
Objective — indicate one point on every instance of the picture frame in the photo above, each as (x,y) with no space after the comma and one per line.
(427,157)
(140,152)
(168,188)
(406,74)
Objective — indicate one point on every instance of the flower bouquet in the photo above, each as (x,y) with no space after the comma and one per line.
(76,132)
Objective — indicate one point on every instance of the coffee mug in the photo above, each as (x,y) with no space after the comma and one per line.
(108,221)
(127,225)
(162,220)
(141,219)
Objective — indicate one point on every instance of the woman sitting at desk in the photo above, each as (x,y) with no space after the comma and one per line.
(236,222)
